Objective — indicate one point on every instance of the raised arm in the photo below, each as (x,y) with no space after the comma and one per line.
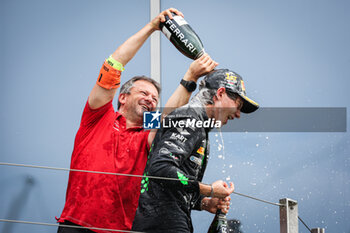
(99,95)
(197,69)
(181,95)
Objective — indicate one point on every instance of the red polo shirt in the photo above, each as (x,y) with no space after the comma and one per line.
(104,144)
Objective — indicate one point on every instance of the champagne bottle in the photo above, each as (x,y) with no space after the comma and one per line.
(183,37)
(219,224)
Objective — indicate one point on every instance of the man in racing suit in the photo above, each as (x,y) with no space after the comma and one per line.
(180,155)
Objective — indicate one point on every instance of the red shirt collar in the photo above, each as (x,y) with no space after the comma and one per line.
(122,121)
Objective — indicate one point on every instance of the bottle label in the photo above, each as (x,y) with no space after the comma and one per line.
(166,32)
(222,229)
(176,32)
(179,20)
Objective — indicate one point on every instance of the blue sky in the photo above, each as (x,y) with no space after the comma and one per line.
(290,54)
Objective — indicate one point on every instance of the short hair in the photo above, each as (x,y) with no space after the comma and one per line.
(126,87)
(206,95)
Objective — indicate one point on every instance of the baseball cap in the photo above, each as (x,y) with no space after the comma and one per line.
(232,82)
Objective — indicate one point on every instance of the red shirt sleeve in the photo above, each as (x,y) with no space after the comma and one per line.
(90,119)
(91,116)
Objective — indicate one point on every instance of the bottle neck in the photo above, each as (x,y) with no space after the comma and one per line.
(220,213)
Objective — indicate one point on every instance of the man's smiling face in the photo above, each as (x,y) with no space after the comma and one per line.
(143,97)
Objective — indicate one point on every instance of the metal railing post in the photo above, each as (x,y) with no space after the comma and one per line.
(288,216)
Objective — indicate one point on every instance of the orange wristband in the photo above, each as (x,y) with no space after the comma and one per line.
(109,77)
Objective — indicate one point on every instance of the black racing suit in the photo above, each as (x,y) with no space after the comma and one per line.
(179,152)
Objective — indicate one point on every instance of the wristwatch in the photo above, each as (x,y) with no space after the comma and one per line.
(189,85)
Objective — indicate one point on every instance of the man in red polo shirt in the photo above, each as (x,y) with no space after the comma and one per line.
(115,142)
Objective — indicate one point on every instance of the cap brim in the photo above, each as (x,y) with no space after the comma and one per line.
(249,105)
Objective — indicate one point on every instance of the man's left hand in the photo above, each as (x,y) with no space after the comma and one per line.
(200,67)
(213,204)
